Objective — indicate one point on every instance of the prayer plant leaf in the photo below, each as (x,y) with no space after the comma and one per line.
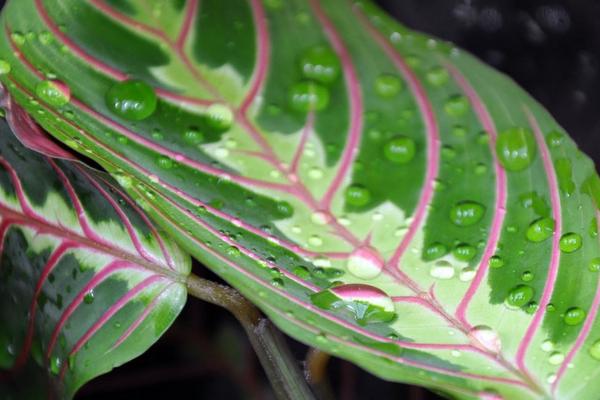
(87,282)
(380,194)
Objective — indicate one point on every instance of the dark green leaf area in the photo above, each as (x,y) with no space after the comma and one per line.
(220,43)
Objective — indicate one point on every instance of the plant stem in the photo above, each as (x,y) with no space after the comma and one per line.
(282,370)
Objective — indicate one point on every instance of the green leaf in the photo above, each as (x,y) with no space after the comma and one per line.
(87,282)
(369,187)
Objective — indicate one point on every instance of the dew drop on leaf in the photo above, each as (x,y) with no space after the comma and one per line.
(555,139)
(527,276)
(400,150)
(193,136)
(466,213)
(594,265)
(459,131)
(496,262)
(435,251)
(556,358)
(540,230)
(315,240)
(308,96)
(89,297)
(219,117)
(547,345)
(437,76)
(320,218)
(365,263)
(516,149)
(315,173)
(570,242)
(18,38)
(442,270)
(357,195)
(464,252)
(456,106)
(486,337)
(595,350)
(301,272)
(4,67)
(132,99)
(55,365)
(320,64)
(55,93)
(165,162)
(519,296)
(388,85)
(574,316)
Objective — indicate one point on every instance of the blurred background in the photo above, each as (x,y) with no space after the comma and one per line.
(551,48)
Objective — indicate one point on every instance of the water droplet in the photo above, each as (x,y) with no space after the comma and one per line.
(132,100)
(315,173)
(233,251)
(193,135)
(595,350)
(55,93)
(448,152)
(358,195)
(570,242)
(365,263)
(467,274)
(277,282)
(556,358)
(527,276)
(519,296)
(165,162)
(315,241)
(18,38)
(459,131)
(480,169)
(564,174)
(367,304)
(551,378)
(435,251)
(540,230)
(308,96)
(400,150)
(467,213)
(387,85)
(516,149)
(555,138)
(301,272)
(219,116)
(4,67)
(486,337)
(442,270)
(55,365)
(320,218)
(594,265)
(437,76)
(547,345)
(320,64)
(574,316)
(89,297)
(456,106)
(464,252)
(496,262)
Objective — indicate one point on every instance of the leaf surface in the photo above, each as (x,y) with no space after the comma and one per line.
(87,282)
(379,193)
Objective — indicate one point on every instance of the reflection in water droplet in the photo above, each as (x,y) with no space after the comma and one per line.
(320,64)
(89,297)
(486,337)
(464,252)
(400,150)
(467,213)
(219,116)
(132,100)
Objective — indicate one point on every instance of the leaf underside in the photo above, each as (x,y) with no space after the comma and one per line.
(87,282)
(380,194)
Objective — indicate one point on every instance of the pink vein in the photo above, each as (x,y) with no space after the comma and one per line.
(501,191)
(19,191)
(356,105)
(52,262)
(431,127)
(138,321)
(133,234)
(78,300)
(295,164)
(190,13)
(583,334)
(555,256)
(263,51)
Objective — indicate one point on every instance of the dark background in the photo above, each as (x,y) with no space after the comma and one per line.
(551,48)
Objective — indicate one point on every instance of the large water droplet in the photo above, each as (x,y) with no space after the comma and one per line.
(540,230)
(320,64)
(570,242)
(574,316)
(388,85)
(55,93)
(358,195)
(365,263)
(367,304)
(467,213)
(516,149)
(519,296)
(132,100)
(308,96)
(400,150)
(487,337)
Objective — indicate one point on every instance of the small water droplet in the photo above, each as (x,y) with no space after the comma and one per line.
(594,265)
(193,135)
(308,96)
(486,337)
(89,297)
(165,162)
(219,116)
(442,270)
(365,263)
(547,345)
(400,150)
(301,272)
(555,138)
(55,365)
(132,100)
(519,296)
(570,242)
(55,93)
(540,230)
(464,252)
(556,358)
(574,316)
(4,67)
(320,64)
(357,195)
(527,276)
(595,350)
(388,85)
(320,218)
(467,213)
(456,106)
(437,76)
(435,251)
(315,240)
